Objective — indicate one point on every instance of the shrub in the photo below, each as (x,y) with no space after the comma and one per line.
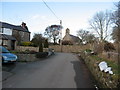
(41,54)
(26,44)
(98,47)
(34,45)
(46,45)
(108,47)
(41,47)
(88,50)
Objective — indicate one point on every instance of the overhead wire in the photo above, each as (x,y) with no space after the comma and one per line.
(50,10)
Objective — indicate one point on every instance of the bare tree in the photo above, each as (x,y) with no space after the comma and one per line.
(116,20)
(100,23)
(85,36)
(82,34)
(115,34)
(116,15)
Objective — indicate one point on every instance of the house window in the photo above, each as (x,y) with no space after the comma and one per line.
(1,30)
(5,42)
(7,31)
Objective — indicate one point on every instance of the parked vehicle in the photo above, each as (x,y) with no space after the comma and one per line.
(7,56)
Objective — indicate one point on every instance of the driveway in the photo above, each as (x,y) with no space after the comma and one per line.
(62,70)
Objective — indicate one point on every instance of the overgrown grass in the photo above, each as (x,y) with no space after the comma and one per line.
(115,67)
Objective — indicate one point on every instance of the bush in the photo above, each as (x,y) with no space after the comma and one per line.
(46,45)
(34,45)
(98,47)
(88,50)
(41,47)
(41,54)
(26,44)
(108,47)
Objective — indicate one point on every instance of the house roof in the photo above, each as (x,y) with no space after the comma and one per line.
(6,37)
(75,38)
(15,27)
(72,37)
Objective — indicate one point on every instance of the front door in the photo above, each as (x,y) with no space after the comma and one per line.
(13,44)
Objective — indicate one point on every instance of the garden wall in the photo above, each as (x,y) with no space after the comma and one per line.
(24,48)
(57,48)
(69,48)
(26,57)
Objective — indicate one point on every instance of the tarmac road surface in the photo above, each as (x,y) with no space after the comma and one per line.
(62,70)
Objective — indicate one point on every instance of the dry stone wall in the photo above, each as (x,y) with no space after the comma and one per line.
(57,48)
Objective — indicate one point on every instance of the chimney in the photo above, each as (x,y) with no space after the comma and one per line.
(67,31)
(24,25)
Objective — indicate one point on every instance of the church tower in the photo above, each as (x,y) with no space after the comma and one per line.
(67,31)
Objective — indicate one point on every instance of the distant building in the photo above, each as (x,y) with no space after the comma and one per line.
(11,35)
(74,40)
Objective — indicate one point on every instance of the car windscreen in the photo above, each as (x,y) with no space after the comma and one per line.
(4,50)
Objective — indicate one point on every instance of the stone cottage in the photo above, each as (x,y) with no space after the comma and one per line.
(74,40)
(11,35)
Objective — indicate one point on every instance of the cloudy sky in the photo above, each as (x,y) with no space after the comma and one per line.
(74,14)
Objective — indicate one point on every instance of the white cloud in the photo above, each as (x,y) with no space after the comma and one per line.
(37,17)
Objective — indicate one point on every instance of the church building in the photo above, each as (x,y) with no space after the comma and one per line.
(73,40)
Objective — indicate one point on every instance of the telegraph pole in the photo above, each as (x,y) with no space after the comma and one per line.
(61,35)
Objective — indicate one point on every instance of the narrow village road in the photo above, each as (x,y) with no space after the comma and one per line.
(62,70)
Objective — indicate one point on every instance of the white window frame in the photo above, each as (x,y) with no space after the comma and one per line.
(7,31)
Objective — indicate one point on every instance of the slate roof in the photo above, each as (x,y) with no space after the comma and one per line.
(75,38)
(6,25)
(6,37)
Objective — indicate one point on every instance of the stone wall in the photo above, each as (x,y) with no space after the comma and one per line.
(26,57)
(57,48)
(105,80)
(69,48)
(24,48)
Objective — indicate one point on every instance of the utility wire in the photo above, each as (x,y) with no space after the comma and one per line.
(50,9)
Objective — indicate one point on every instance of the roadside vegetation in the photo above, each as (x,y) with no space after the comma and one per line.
(103,79)
(102,49)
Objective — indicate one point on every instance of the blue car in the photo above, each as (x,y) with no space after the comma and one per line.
(7,56)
